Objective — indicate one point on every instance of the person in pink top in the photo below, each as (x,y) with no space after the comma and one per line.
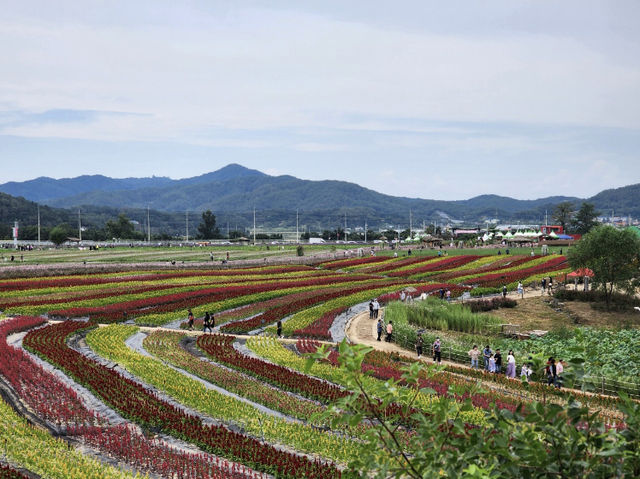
(389,331)
(559,371)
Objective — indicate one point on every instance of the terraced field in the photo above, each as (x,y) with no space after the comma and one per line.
(106,379)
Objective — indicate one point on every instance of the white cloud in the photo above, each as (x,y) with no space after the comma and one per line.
(425,87)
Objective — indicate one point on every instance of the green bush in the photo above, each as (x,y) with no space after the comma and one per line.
(300,250)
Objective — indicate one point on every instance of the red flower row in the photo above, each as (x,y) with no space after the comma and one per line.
(220,348)
(446,263)
(381,268)
(338,264)
(506,262)
(498,279)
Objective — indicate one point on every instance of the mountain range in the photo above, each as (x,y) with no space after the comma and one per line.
(234,191)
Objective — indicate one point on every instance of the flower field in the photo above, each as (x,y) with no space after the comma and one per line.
(84,357)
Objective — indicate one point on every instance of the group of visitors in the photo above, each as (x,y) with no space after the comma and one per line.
(493,361)
(547,285)
(207,323)
(374,308)
(445,294)
(436,348)
(553,371)
(380,328)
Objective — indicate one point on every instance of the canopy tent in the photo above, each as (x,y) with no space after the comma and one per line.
(552,234)
(508,235)
(580,273)
(564,237)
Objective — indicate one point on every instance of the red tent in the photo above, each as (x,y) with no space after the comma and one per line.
(579,273)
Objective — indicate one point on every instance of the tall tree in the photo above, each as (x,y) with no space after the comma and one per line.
(207,227)
(585,219)
(60,233)
(563,213)
(122,228)
(614,257)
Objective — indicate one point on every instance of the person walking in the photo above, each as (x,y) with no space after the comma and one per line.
(520,289)
(448,294)
(419,345)
(436,349)
(491,364)
(552,372)
(441,293)
(380,328)
(474,354)
(376,308)
(371,309)
(498,359)
(486,354)
(207,323)
(559,371)
(389,337)
(544,285)
(279,328)
(511,365)
(190,319)
(504,290)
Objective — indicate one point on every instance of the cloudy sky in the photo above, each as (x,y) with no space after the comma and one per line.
(429,99)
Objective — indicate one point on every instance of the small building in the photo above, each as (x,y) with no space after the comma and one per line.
(548,229)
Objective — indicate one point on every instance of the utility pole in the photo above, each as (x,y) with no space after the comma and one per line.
(345,227)
(365,231)
(148,225)
(297,233)
(254,226)
(38,224)
(79,226)
(410,224)
(187,225)
(227,229)
(15,234)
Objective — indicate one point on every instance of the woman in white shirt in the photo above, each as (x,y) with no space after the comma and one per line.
(511,365)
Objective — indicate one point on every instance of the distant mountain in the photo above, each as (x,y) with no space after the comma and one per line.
(619,201)
(234,191)
(45,189)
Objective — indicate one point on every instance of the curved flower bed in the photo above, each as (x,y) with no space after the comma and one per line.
(142,406)
(60,405)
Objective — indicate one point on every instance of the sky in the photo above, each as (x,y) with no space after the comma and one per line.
(429,99)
